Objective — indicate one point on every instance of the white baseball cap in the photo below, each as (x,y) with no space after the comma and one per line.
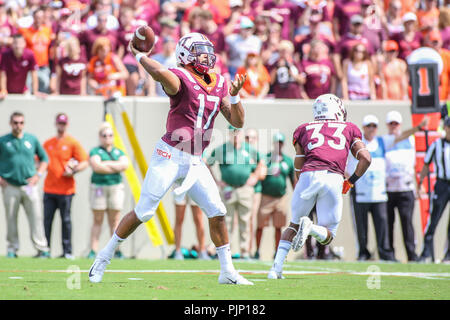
(409,16)
(368,119)
(394,116)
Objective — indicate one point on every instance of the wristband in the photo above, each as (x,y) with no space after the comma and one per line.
(139,56)
(235,99)
(353,179)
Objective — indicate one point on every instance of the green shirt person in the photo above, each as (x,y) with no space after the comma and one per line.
(107,193)
(241,168)
(17,152)
(19,181)
(274,204)
(113,154)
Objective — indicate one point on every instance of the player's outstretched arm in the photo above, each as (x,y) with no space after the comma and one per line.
(231,107)
(169,80)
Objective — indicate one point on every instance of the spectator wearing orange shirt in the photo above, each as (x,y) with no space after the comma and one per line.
(434,40)
(257,84)
(66,158)
(38,38)
(428,17)
(106,72)
(394,73)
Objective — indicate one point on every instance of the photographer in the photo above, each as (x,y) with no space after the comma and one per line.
(285,74)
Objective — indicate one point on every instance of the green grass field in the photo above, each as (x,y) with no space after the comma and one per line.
(48,279)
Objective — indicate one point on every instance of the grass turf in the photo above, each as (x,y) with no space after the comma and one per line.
(129,279)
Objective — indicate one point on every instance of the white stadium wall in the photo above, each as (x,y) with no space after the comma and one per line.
(148,116)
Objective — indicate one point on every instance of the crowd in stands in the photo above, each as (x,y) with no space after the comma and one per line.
(289,48)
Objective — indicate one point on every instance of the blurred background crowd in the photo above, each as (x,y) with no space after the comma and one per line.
(289,48)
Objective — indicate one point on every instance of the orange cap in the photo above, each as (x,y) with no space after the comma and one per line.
(391,45)
(434,35)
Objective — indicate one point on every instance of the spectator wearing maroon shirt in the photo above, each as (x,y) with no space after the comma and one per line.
(287,11)
(348,41)
(169,28)
(373,29)
(15,65)
(88,37)
(269,50)
(410,39)
(343,11)
(215,34)
(285,73)
(199,4)
(302,43)
(71,70)
(128,25)
(318,72)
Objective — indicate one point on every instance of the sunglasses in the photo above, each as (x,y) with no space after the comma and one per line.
(371,125)
(394,123)
(18,122)
(109,135)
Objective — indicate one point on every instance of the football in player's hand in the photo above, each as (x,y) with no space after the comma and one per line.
(144,39)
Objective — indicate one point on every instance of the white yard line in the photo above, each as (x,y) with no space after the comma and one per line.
(423,275)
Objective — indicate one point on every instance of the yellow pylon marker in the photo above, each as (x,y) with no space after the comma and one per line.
(135,186)
(143,166)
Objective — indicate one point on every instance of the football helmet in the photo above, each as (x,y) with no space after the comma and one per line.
(329,107)
(190,47)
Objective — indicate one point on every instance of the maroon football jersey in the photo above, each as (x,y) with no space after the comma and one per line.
(193,111)
(326,144)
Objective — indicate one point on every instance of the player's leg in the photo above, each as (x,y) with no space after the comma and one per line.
(197,216)
(180,209)
(329,210)
(206,194)
(301,207)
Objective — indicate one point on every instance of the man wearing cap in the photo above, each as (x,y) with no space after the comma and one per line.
(240,44)
(400,176)
(274,202)
(67,157)
(19,179)
(369,194)
(410,39)
(439,153)
(241,167)
(353,37)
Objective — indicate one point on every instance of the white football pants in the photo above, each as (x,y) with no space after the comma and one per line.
(323,189)
(169,165)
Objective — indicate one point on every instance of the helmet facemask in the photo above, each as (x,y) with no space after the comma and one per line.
(196,57)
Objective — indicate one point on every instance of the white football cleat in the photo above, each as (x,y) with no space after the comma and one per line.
(233,278)
(302,233)
(274,275)
(98,269)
